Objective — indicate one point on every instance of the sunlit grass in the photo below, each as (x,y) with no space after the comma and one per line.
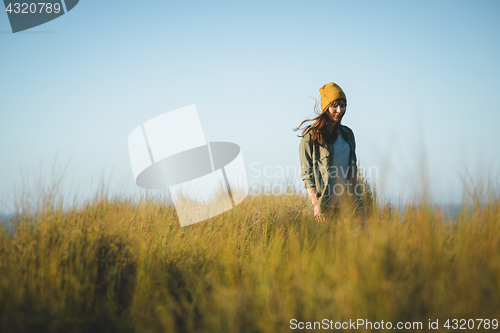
(115,266)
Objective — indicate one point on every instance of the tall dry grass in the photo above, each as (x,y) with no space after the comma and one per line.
(114,266)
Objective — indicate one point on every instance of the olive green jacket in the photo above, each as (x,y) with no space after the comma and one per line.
(316,163)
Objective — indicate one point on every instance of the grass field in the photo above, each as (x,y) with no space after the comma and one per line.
(114,266)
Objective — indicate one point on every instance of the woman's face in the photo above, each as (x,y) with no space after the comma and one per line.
(336,112)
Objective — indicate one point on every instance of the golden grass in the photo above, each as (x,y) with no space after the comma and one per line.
(112,266)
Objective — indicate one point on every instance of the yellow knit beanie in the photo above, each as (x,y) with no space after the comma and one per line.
(330,92)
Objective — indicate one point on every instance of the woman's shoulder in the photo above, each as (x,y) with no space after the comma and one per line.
(347,129)
(306,137)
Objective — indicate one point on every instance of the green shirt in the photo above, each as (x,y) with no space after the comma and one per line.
(316,165)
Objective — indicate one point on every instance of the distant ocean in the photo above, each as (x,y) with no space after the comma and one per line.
(451,210)
(7,217)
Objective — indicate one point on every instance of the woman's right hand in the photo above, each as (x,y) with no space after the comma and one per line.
(315,202)
(317,214)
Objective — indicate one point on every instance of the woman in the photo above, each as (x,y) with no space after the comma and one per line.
(328,158)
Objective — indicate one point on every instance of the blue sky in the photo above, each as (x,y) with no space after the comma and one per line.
(421,80)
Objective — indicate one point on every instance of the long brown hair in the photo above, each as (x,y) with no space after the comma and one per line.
(323,129)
